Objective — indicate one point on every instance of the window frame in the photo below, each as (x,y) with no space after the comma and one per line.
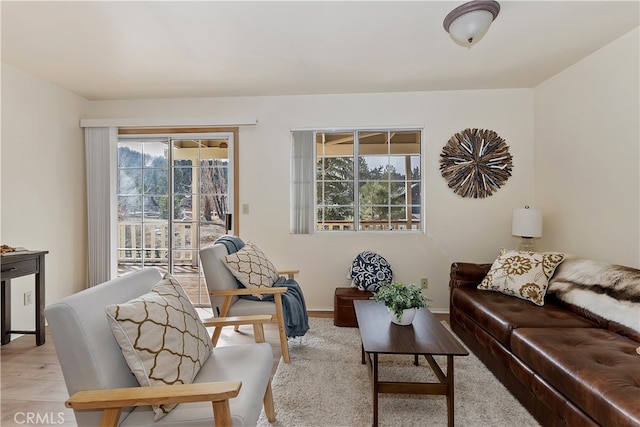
(358,153)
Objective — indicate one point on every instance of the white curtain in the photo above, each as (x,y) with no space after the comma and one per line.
(100,155)
(302,182)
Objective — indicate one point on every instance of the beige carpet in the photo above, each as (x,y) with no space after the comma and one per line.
(326,385)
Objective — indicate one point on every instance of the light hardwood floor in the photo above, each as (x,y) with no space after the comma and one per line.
(32,384)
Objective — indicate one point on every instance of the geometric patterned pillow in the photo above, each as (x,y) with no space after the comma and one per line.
(161,336)
(522,274)
(251,267)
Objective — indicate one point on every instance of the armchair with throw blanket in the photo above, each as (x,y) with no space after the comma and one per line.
(243,282)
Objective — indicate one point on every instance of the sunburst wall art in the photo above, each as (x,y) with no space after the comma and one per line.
(476,163)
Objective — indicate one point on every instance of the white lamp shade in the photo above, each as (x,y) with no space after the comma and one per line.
(526,222)
(468,29)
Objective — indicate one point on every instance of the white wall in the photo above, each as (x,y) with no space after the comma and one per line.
(587,156)
(586,166)
(458,229)
(43,190)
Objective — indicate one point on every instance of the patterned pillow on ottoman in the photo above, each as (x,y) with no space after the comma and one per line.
(370,270)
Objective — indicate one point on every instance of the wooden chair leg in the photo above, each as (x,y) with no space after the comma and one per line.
(222,413)
(236,328)
(110,417)
(284,346)
(258,332)
(223,313)
(269,409)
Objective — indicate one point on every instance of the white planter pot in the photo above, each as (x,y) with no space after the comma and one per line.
(407,316)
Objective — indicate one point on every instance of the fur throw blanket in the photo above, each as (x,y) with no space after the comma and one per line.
(608,290)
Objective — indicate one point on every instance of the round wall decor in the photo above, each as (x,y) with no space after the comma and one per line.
(475,163)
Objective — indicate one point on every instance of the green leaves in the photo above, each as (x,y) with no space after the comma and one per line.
(397,297)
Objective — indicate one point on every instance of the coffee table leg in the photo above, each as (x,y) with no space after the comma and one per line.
(375,389)
(450,383)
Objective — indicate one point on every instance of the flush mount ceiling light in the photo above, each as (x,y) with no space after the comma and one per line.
(468,23)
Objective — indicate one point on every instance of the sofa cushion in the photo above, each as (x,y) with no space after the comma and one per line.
(161,337)
(596,369)
(522,274)
(500,314)
(252,267)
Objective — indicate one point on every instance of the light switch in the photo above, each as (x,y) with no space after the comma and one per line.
(245,209)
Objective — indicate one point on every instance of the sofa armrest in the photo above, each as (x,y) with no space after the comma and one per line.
(465,274)
(113,400)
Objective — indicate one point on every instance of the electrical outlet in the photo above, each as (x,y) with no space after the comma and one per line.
(28,298)
(424,283)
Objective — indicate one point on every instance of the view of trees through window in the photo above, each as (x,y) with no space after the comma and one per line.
(381,193)
(173,195)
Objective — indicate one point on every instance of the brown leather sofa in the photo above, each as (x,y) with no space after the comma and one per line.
(567,366)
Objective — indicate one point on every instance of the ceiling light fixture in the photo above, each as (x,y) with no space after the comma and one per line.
(468,23)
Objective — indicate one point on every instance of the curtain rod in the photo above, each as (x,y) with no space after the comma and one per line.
(170,122)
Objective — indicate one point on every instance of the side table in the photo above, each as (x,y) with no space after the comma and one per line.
(18,264)
(343,312)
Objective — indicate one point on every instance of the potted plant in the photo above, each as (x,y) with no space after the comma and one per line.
(401,300)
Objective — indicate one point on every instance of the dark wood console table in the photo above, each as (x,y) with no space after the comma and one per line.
(18,264)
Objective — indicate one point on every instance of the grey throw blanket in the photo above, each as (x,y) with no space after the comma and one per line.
(296,319)
(232,243)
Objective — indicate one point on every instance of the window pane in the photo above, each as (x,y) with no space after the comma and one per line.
(335,218)
(155,207)
(210,231)
(130,181)
(405,142)
(155,154)
(130,154)
(184,235)
(213,207)
(155,181)
(182,178)
(336,168)
(335,193)
(182,207)
(129,207)
(374,193)
(372,167)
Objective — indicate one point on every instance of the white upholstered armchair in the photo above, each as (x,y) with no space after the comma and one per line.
(230,388)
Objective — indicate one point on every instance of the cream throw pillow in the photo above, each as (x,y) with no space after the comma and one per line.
(251,267)
(522,274)
(161,336)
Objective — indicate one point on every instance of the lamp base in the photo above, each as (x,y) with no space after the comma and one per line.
(527,244)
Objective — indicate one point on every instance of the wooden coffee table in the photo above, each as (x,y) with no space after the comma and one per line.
(425,336)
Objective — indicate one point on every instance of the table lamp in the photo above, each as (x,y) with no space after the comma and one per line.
(527,224)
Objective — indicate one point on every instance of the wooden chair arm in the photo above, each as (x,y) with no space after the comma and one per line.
(113,400)
(156,395)
(247,291)
(238,320)
(291,274)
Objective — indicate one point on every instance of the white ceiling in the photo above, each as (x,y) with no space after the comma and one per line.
(159,49)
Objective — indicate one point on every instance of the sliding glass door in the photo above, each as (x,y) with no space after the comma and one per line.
(174,193)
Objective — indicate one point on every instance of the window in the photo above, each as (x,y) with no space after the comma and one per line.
(173,194)
(365,180)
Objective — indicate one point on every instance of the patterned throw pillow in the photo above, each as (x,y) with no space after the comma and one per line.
(370,270)
(522,274)
(161,336)
(251,267)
